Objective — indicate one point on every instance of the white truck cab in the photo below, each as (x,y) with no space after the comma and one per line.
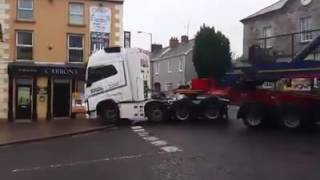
(117,86)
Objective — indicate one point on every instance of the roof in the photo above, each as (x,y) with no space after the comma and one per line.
(274,7)
(168,52)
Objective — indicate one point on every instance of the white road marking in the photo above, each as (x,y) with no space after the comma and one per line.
(143,134)
(136,127)
(171,149)
(163,145)
(151,138)
(159,143)
(77,163)
(138,130)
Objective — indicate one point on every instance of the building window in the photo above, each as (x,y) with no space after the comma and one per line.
(1,33)
(306,27)
(267,33)
(25,10)
(169,67)
(75,48)
(24,45)
(181,65)
(156,68)
(76,13)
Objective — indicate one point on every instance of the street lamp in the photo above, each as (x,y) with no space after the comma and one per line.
(150,34)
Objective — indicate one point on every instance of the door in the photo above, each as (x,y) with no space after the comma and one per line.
(61,99)
(23,101)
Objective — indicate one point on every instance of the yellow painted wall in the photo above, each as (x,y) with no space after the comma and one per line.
(42,105)
(50,27)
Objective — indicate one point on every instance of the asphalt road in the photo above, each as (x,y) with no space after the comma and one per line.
(188,151)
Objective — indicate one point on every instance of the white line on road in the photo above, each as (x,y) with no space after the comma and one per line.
(136,127)
(159,143)
(138,130)
(151,138)
(77,163)
(143,134)
(171,149)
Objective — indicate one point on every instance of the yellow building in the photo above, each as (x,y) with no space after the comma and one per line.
(44,46)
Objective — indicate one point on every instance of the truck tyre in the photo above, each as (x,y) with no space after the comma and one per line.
(110,113)
(291,117)
(182,110)
(211,110)
(156,112)
(253,116)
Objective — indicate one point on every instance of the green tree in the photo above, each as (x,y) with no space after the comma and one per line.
(211,53)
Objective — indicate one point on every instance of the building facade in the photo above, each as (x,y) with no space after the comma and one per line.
(283,28)
(173,66)
(45,47)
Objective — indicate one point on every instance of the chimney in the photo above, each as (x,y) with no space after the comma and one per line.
(156,47)
(174,42)
(184,39)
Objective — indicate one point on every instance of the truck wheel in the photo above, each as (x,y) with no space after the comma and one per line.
(156,113)
(110,114)
(253,117)
(182,110)
(211,111)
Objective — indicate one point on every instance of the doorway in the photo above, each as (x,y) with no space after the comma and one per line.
(61,98)
(23,102)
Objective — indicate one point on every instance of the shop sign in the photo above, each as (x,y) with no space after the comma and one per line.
(100,19)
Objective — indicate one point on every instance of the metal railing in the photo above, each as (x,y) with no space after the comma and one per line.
(288,45)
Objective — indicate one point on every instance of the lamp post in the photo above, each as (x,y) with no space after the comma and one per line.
(150,34)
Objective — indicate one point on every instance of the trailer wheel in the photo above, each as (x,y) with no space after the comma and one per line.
(291,117)
(182,110)
(156,112)
(211,110)
(110,113)
(253,116)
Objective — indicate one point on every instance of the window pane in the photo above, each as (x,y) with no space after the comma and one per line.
(24,53)
(76,8)
(75,41)
(25,14)
(25,4)
(98,73)
(24,38)
(76,19)
(80,85)
(75,55)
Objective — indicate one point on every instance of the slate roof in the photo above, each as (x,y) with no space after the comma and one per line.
(274,7)
(168,52)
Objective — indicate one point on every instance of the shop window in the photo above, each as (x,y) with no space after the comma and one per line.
(75,46)
(80,85)
(101,72)
(24,45)
(76,13)
(25,10)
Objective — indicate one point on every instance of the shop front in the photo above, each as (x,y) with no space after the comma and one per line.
(41,92)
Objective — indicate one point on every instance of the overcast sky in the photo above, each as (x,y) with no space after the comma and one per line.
(167,18)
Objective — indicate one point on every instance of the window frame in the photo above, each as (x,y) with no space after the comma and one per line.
(25,9)
(169,66)
(305,29)
(181,65)
(23,45)
(75,48)
(267,42)
(157,68)
(76,14)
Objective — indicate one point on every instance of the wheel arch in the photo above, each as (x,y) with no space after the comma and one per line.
(105,103)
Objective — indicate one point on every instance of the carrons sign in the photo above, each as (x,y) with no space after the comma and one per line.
(74,71)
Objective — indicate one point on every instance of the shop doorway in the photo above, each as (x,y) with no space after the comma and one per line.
(23,98)
(61,98)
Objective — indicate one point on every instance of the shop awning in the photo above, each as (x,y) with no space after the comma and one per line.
(68,70)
